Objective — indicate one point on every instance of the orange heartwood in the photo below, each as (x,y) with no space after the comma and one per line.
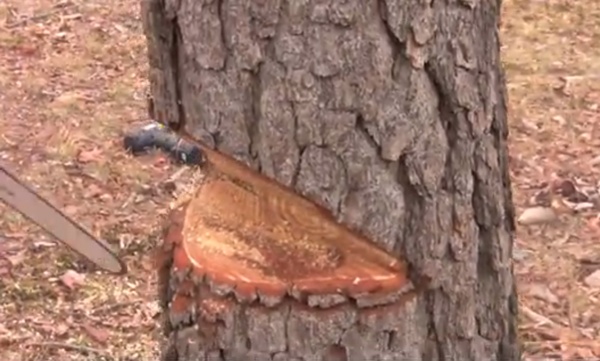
(249,236)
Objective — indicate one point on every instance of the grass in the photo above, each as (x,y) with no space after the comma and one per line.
(73,76)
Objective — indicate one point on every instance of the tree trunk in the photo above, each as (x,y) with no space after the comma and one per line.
(389,114)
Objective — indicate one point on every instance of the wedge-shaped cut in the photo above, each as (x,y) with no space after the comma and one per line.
(247,234)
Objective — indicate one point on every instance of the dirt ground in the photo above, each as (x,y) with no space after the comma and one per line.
(72,81)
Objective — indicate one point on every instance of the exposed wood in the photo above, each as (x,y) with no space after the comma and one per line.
(209,320)
(255,239)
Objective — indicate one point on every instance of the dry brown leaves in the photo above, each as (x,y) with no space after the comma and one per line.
(551,53)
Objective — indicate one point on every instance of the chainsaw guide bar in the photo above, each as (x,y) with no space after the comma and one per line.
(19,196)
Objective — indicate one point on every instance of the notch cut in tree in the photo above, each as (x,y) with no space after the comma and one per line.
(243,242)
(261,241)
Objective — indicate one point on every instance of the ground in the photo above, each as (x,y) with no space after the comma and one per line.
(73,80)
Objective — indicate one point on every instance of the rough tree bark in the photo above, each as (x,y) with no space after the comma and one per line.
(391,114)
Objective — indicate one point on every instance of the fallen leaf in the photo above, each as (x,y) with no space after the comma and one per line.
(106,197)
(4,267)
(43,244)
(542,292)
(97,334)
(3,329)
(71,210)
(51,328)
(16,259)
(72,279)
(160,161)
(67,98)
(520,254)
(594,224)
(61,329)
(88,156)
(566,188)
(593,280)
(583,206)
(537,215)
(570,352)
(92,191)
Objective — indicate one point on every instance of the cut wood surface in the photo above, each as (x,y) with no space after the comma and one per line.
(260,241)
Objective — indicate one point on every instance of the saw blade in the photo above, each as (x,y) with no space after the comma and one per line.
(26,201)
